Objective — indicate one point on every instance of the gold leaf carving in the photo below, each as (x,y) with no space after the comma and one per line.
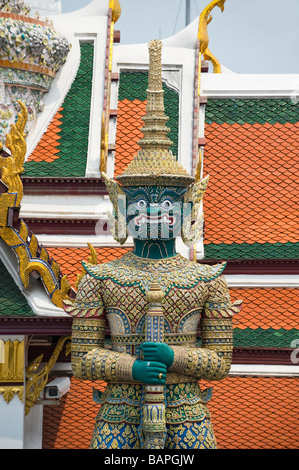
(37,379)
(31,256)
(12,166)
(12,367)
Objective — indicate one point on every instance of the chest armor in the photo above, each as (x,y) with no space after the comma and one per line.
(123,285)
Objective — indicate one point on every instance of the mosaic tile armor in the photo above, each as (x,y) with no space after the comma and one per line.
(196,297)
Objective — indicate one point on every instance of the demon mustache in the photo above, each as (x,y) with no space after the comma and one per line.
(154,219)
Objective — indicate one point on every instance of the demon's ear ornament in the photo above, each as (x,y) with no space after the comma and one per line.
(117,221)
(193,220)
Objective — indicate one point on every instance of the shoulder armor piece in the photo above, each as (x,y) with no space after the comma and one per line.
(208,273)
(98,271)
(131,271)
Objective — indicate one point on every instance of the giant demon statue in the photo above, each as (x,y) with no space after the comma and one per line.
(155,302)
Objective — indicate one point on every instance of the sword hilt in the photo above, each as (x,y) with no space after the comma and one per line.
(154,423)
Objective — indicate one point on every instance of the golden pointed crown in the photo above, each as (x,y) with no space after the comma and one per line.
(154,162)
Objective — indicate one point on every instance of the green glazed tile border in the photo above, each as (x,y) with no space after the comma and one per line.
(251,111)
(252,251)
(260,338)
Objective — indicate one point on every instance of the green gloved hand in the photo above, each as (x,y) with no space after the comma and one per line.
(149,372)
(159,352)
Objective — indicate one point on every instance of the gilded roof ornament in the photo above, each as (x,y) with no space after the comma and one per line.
(37,374)
(116,9)
(204,19)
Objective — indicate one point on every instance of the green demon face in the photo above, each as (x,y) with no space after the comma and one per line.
(154,212)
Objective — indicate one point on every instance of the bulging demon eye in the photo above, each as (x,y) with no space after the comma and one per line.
(167,204)
(141,204)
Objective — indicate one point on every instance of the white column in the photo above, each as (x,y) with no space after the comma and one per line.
(11,423)
(12,408)
(33,428)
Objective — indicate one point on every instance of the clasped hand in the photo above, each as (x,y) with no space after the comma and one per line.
(157,357)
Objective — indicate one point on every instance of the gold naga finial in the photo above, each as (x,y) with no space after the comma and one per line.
(116,9)
(198,167)
(155,295)
(204,20)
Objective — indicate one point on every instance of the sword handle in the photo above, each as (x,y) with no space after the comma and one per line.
(154,423)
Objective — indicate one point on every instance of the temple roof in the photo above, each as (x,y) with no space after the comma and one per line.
(62,150)
(246,127)
(251,157)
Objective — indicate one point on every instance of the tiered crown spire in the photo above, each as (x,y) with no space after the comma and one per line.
(155,131)
(154,163)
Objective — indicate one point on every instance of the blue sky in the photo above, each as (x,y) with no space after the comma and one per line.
(250,36)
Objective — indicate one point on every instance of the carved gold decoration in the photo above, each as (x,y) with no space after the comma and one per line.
(37,379)
(203,39)
(104,143)
(2,352)
(198,167)
(31,256)
(153,410)
(12,166)
(196,192)
(12,369)
(9,391)
(204,19)
(192,226)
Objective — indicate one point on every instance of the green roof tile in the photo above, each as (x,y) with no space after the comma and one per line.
(12,301)
(73,143)
(252,251)
(261,338)
(250,111)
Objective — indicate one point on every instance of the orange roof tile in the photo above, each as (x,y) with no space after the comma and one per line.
(70,425)
(69,258)
(255,412)
(47,148)
(253,190)
(247,412)
(128,132)
(266,308)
